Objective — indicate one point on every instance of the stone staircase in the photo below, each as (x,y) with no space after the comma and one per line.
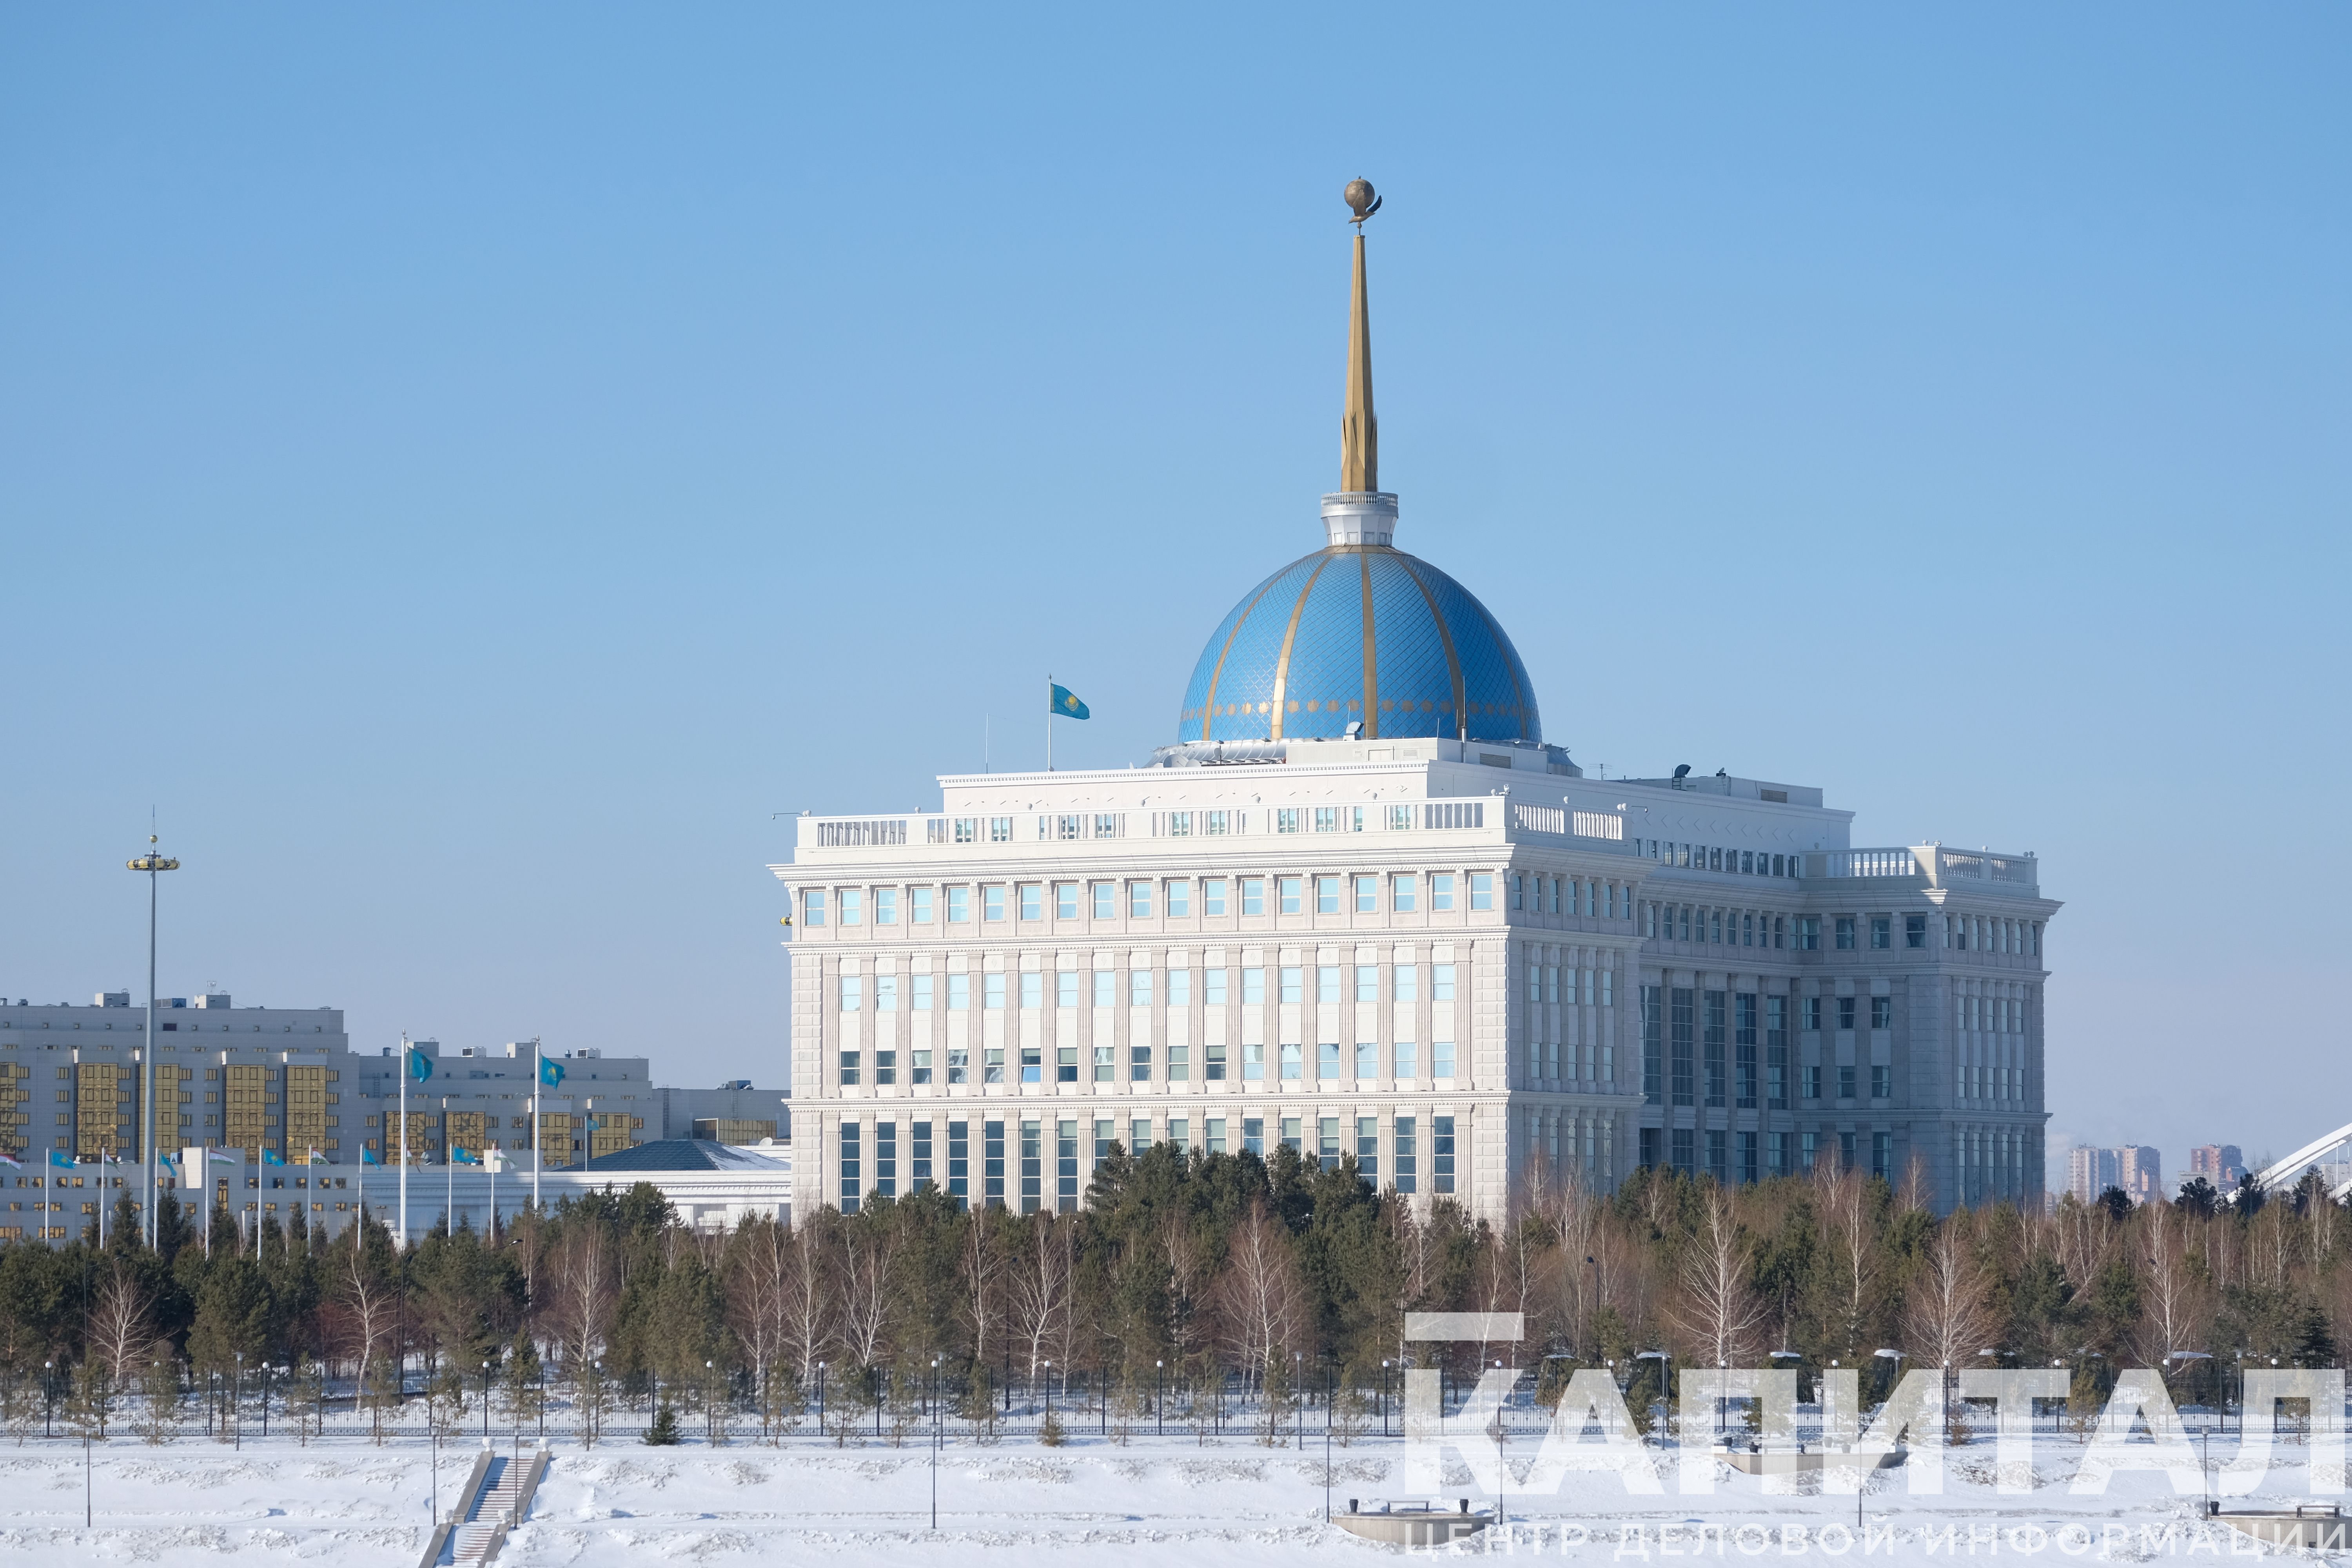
(492,1514)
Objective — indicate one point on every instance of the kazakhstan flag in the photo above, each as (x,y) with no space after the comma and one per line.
(1067,704)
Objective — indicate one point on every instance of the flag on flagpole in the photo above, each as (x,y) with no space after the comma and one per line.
(60,1159)
(367,1155)
(271,1157)
(1066,705)
(550,1072)
(460,1157)
(420,1065)
(10,1160)
(222,1157)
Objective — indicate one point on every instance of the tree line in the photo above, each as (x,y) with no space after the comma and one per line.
(1222,1282)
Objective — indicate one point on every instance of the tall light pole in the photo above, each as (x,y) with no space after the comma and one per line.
(154,863)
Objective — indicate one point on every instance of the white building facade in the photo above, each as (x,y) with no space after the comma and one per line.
(1361,907)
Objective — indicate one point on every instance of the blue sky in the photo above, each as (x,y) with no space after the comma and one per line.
(467,468)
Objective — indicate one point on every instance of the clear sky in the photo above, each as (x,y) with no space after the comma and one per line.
(468,467)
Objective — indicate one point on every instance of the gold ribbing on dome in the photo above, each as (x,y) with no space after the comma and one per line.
(1359,430)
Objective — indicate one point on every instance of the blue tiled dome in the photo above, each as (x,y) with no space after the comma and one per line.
(1359,633)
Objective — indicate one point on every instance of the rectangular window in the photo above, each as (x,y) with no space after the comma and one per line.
(1652,1146)
(1252,987)
(1288,889)
(1139,987)
(1180,900)
(991,1163)
(1915,931)
(885,994)
(812,907)
(1106,988)
(993,993)
(1653,1047)
(1106,1134)
(1882,1082)
(1293,984)
(1104,1067)
(1843,933)
(1748,1160)
(1065,902)
(1285,819)
(1406,1063)
(1327,983)
(853,906)
(1368,1148)
(1404,895)
(1811,1072)
(1809,933)
(1743,1050)
(885,908)
(1368,983)
(1482,890)
(992,903)
(1775,1152)
(1715,1025)
(1291,1063)
(1405,979)
(1808,1011)
(852,1168)
(1000,831)
(1212,1135)
(1367,895)
(885,1067)
(1440,1058)
(1066,988)
(1441,1153)
(1882,932)
(885,1159)
(1033,990)
(922,992)
(1441,982)
(1032,1166)
(1213,823)
(1213,896)
(1139,1064)
(1139,1134)
(1719,1153)
(1178,1127)
(1327,1060)
(1253,1136)
(1327,895)
(1441,890)
(1139,900)
(1680,1043)
(1845,1080)
(1367,1059)
(1327,1142)
(1032,901)
(1404,1154)
(1212,1062)
(1033,1064)
(853,993)
(1212,987)
(1519,891)
(1845,1012)
(849,1067)
(1252,895)
(1106,900)
(960,1163)
(1253,1063)
(1685,1145)
(1881,1012)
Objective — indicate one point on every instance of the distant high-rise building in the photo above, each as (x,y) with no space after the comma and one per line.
(2219,1163)
(2137,1170)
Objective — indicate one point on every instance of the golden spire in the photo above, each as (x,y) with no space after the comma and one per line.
(1359,430)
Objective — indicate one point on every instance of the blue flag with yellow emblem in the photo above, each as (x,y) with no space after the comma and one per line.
(1067,704)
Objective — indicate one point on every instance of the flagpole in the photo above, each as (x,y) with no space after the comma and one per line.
(536,1071)
(404,1142)
(449,1174)
(1049,721)
(359,1226)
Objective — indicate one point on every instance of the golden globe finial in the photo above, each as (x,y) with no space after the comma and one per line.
(1361,199)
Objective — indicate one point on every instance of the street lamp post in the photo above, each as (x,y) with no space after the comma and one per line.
(154,863)
(1159,1393)
(935,1443)
(486,1402)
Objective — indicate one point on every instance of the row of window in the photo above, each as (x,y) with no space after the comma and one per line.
(1334,1063)
(1714,857)
(1445,892)
(1731,1155)
(1011,1170)
(1100,987)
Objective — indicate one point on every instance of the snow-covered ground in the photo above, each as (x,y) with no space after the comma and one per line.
(1153,1500)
